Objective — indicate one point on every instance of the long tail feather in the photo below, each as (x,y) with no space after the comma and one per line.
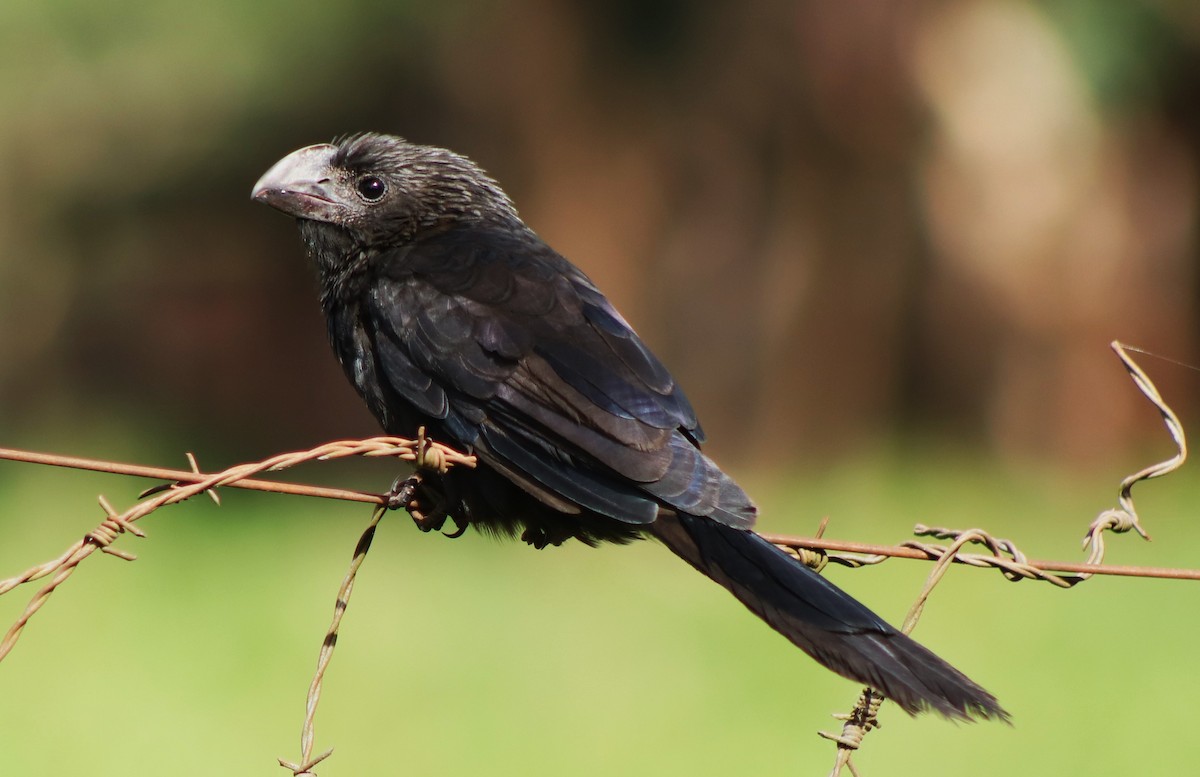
(822,620)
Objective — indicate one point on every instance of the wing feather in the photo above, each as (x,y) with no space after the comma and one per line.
(527,360)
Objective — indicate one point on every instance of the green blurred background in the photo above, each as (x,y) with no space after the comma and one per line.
(884,245)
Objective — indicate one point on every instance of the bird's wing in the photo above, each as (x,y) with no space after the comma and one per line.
(521,357)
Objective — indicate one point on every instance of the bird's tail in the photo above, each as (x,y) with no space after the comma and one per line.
(822,620)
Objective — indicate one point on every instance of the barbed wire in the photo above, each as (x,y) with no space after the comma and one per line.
(426,455)
(304,767)
(1005,556)
(431,456)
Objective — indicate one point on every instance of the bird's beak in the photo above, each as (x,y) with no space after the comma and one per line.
(302,185)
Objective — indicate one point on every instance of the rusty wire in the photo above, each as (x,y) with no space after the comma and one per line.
(1008,558)
(426,455)
(813,551)
(187,485)
(304,767)
(864,717)
(184,476)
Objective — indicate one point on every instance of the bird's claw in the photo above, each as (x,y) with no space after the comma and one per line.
(404,495)
(540,538)
(436,520)
(402,492)
(460,528)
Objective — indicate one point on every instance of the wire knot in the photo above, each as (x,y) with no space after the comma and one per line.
(812,558)
(429,457)
(109,529)
(1117,520)
(862,719)
(305,769)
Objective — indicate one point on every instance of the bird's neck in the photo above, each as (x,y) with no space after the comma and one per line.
(339,260)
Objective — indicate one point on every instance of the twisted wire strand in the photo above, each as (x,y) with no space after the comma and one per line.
(308,733)
(435,458)
(1124,517)
(856,725)
(1005,556)
(100,538)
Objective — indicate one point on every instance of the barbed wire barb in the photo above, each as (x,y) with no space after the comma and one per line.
(1007,557)
(433,457)
(1124,517)
(308,732)
(186,486)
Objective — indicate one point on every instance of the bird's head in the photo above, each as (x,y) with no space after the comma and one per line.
(381,189)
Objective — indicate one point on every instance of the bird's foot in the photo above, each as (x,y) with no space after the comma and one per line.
(435,520)
(402,492)
(428,506)
(539,537)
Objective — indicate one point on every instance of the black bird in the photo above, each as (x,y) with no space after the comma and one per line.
(446,311)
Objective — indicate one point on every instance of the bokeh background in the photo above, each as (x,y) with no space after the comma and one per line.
(883,243)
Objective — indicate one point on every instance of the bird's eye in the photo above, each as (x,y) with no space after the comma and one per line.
(371,188)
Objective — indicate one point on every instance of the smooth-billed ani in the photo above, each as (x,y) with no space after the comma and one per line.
(446,311)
